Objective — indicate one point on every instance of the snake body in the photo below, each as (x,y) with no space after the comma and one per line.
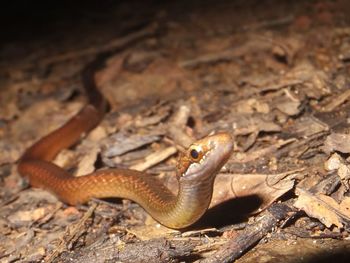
(196,171)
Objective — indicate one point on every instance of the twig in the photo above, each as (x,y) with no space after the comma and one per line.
(295,145)
(234,248)
(73,234)
(337,101)
(178,124)
(50,215)
(155,158)
(10,200)
(270,23)
(267,151)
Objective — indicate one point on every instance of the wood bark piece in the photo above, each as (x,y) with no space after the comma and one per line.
(155,250)
(236,247)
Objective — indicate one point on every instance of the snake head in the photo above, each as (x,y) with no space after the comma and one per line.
(205,157)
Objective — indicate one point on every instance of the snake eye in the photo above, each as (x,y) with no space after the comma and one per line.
(196,155)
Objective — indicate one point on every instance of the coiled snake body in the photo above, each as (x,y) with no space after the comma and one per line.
(196,169)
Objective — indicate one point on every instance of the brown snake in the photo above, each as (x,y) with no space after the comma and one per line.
(196,171)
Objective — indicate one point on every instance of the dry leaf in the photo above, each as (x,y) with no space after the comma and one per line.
(288,104)
(252,105)
(160,78)
(336,162)
(87,163)
(268,187)
(306,126)
(24,217)
(324,208)
(121,143)
(337,142)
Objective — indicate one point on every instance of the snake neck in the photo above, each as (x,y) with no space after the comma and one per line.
(188,206)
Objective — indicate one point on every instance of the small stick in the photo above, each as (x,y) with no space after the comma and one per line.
(337,101)
(154,158)
(235,248)
(73,233)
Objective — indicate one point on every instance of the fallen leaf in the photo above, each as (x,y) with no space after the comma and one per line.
(87,163)
(268,187)
(336,162)
(324,208)
(24,217)
(337,142)
(121,143)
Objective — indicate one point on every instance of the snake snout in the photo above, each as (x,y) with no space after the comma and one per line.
(223,144)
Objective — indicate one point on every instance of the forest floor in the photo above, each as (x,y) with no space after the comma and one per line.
(274,74)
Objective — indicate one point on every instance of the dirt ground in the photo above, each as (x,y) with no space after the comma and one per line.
(274,74)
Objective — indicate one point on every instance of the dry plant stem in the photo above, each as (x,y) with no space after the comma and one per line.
(270,23)
(297,144)
(177,127)
(10,200)
(337,101)
(50,215)
(154,159)
(73,234)
(267,151)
